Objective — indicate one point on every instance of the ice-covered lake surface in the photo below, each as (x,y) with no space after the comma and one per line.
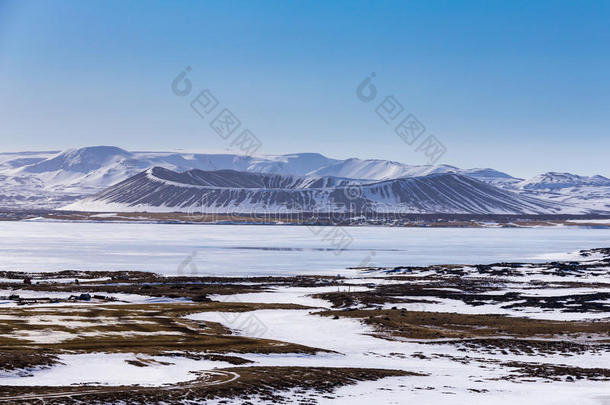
(272,250)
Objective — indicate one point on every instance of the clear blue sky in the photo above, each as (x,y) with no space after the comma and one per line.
(520,86)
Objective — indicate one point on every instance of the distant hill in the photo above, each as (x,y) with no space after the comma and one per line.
(229,191)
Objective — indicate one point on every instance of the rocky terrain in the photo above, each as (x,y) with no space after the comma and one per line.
(486,332)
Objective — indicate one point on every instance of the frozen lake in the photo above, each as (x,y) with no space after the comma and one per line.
(271,250)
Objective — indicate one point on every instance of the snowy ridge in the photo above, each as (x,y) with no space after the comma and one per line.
(228,191)
(375,169)
(554,181)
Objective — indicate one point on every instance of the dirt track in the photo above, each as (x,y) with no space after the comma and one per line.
(208,378)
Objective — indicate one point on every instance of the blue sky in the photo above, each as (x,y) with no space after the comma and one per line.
(519,86)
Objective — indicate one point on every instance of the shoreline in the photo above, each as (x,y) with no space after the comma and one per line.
(308,219)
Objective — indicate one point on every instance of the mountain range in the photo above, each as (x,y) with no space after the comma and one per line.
(55,179)
(229,191)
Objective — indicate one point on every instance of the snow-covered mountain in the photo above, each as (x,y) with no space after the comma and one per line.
(52,179)
(554,181)
(95,168)
(592,193)
(375,169)
(228,191)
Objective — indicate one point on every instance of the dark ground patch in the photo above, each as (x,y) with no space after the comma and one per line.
(22,360)
(441,325)
(253,383)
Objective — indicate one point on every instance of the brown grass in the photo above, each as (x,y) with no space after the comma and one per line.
(436,325)
(266,383)
(141,328)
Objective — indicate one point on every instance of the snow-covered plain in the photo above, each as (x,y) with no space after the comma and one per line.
(448,372)
(271,250)
(113,369)
(449,380)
